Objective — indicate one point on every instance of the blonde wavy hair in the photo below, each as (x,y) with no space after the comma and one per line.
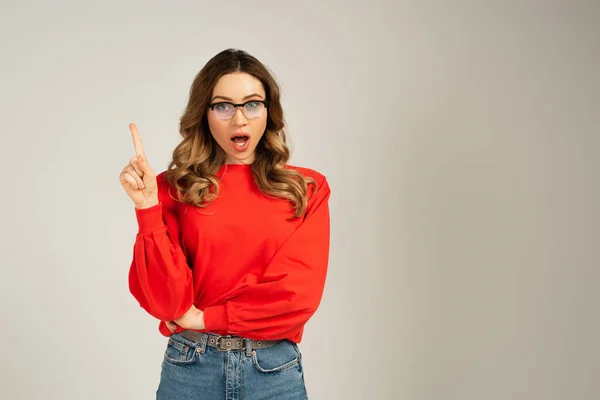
(198,157)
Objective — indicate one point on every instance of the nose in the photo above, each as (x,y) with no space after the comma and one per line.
(238,117)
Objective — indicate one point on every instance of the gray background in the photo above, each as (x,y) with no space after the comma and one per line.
(460,139)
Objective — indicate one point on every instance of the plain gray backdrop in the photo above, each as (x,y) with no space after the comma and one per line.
(460,139)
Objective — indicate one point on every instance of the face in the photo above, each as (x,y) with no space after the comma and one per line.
(237,88)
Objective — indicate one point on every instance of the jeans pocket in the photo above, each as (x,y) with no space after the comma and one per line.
(179,353)
(277,358)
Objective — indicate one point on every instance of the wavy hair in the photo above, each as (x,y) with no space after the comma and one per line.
(198,158)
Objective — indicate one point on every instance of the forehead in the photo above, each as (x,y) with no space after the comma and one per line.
(237,86)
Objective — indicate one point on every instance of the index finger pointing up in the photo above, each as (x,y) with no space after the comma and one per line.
(137,140)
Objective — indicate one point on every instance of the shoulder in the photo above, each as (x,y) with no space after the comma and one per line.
(167,194)
(162,182)
(160,178)
(319,178)
(322,185)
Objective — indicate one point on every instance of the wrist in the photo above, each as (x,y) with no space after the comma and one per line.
(149,204)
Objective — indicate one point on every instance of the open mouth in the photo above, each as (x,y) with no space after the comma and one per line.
(240,140)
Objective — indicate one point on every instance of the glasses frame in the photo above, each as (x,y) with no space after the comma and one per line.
(243,105)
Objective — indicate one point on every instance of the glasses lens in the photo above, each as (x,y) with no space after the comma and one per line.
(254,109)
(224,110)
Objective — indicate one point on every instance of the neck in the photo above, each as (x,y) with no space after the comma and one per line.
(245,161)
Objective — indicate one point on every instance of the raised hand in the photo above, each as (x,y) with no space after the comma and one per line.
(138,178)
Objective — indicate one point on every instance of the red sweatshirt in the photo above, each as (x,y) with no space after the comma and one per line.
(255,272)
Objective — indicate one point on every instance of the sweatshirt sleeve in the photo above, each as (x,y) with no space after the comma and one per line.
(291,287)
(159,277)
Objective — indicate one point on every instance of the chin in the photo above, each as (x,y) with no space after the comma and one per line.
(239,158)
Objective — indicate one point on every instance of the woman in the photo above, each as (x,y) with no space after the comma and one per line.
(233,243)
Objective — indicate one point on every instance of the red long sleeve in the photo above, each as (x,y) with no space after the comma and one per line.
(254,270)
(159,276)
(291,287)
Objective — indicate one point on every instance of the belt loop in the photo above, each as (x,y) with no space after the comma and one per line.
(248,347)
(203,342)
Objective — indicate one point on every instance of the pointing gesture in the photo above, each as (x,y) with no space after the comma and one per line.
(137,140)
(138,178)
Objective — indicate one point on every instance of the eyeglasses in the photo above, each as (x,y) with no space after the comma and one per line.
(252,109)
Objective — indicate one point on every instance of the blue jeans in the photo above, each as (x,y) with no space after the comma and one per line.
(193,370)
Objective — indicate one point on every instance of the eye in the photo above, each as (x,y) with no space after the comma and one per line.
(253,104)
(223,106)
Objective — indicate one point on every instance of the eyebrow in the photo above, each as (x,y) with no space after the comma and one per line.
(229,99)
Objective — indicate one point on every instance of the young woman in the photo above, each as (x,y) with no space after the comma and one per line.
(233,243)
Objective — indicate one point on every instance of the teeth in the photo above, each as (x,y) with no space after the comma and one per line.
(240,144)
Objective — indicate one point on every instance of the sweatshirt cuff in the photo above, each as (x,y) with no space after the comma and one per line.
(149,219)
(215,318)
